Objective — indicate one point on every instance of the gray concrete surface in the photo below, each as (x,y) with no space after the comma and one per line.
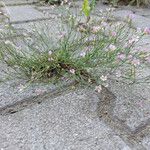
(44,117)
(132,105)
(18,2)
(23,13)
(16,91)
(68,122)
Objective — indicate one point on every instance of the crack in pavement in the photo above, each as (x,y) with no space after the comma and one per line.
(105,109)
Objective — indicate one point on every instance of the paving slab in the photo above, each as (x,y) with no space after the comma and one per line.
(23,13)
(35,116)
(138,21)
(139,11)
(68,122)
(132,105)
(14,92)
(19,2)
(146,141)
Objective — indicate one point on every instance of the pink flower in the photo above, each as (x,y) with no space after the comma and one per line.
(147,30)
(131,41)
(136,62)
(104,24)
(121,56)
(126,45)
(72,71)
(112,47)
(113,33)
(40,91)
(130,17)
(130,57)
(141,104)
(62,35)
(95,29)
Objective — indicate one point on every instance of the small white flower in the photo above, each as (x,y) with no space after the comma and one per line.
(50,53)
(82,54)
(106,85)
(89,80)
(139,30)
(66,1)
(118,73)
(112,47)
(72,71)
(59,15)
(103,78)
(134,39)
(50,59)
(98,88)
(136,62)
(21,87)
(8,42)
(110,9)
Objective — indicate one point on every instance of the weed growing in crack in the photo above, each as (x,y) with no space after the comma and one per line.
(88,53)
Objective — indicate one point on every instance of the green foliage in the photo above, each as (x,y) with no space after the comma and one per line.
(92,4)
(86,8)
(87,54)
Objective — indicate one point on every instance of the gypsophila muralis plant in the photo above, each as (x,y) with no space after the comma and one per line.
(88,55)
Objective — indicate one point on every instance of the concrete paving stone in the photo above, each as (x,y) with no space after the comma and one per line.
(51,9)
(143,12)
(2,74)
(52,24)
(132,106)
(141,22)
(139,11)
(59,10)
(23,13)
(68,122)
(146,141)
(50,30)
(137,21)
(18,90)
(11,91)
(18,2)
